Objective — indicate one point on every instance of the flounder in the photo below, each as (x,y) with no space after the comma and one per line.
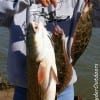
(82,34)
(80,41)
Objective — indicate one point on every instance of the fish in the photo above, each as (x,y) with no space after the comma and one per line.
(64,67)
(81,38)
(82,33)
(60,68)
(41,63)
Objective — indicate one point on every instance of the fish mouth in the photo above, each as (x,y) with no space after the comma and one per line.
(32,27)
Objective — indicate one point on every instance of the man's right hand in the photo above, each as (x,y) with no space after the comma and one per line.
(46,3)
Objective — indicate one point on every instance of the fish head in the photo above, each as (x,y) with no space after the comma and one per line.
(39,32)
(58,31)
(39,36)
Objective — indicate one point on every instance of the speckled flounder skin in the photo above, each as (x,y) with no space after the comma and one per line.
(82,33)
(81,39)
(64,68)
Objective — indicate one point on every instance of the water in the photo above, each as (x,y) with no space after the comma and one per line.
(85,66)
(4,38)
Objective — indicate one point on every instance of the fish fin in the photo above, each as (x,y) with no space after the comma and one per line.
(41,72)
(54,75)
(50,37)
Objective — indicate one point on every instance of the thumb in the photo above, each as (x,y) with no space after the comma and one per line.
(54,3)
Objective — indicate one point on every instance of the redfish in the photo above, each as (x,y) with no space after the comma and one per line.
(42,71)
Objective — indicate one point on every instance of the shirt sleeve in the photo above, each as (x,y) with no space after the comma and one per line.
(9,7)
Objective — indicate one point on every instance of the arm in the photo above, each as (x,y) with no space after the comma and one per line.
(14,6)
(9,7)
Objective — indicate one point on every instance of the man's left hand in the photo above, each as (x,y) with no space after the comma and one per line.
(46,3)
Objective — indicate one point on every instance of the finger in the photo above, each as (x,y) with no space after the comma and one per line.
(49,2)
(54,2)
(43,2)
(86,2)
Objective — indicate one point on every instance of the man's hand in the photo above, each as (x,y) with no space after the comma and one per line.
(86,1)
(46,3)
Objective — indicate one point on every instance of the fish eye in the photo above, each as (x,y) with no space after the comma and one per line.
(36,27)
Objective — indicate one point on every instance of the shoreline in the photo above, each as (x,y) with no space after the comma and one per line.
(6,94)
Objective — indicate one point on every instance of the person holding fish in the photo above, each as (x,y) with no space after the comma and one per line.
(61,13)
